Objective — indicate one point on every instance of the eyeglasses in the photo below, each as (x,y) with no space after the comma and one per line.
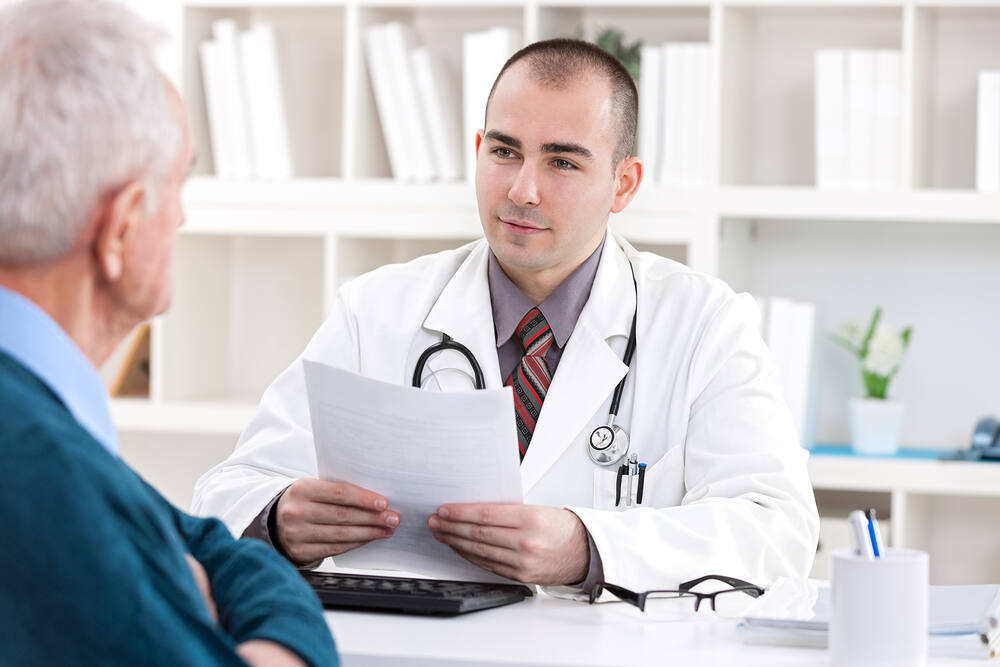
(725,595)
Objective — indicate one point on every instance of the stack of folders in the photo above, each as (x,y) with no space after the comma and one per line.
(419,102)
(964,621)
(858,112)
(246,111)
(674,97)
(988,133)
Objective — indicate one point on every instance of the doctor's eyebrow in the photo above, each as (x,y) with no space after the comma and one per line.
(572,149)
(502,138)
(550,147)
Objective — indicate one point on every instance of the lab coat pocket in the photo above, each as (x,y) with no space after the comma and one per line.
(663,484)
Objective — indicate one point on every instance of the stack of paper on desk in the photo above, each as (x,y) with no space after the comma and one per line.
(963,620)
(420,449)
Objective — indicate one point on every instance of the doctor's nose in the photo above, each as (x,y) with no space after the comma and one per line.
(524,190)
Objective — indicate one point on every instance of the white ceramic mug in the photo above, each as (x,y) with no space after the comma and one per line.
(879,614)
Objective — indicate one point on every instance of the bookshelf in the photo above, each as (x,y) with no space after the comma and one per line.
(258,264)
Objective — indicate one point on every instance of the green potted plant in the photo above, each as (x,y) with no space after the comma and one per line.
(875,419)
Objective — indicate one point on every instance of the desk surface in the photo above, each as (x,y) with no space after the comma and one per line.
(547,632)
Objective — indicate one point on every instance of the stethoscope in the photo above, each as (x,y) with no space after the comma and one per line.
(609,442)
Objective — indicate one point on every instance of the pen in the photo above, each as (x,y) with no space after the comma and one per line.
(618,485)
(642,476)
(859,533)
(873,533)
(631,473)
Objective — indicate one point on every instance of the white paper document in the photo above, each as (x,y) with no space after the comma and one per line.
(420,449)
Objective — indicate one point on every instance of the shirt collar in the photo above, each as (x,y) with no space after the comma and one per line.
(561,309)
(37,342)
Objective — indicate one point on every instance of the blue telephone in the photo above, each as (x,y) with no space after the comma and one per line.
(986,440)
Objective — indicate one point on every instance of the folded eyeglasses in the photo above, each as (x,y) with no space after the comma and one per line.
(683,590)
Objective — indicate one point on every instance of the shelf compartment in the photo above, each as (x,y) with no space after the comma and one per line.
(768,81)
(938,278)
(439,27)
(244,309)
(310,38)
(951,46)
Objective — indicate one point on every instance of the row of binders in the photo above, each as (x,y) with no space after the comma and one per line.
(858,113)
(674,98)
(988,133)
(429,122)
(246,112)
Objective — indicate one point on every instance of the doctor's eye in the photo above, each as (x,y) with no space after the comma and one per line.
(503,153)
(562,164)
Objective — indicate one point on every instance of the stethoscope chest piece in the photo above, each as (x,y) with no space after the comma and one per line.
(608,445)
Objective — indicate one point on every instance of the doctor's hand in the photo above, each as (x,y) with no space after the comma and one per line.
(527,543)
(315,519)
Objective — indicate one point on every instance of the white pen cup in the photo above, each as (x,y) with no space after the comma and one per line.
(879,614)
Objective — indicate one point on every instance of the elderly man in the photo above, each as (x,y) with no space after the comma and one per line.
(96,567)
(553,304)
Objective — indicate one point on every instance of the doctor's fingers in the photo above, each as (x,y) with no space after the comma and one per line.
(317,534)
(508,538)
(340,493)
(308,553)
(473,551)
(334,515)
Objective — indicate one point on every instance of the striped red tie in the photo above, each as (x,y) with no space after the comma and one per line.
(531,378)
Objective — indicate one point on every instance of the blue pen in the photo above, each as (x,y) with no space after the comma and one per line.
(873,532)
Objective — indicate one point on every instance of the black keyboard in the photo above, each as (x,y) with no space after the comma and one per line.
(413,596)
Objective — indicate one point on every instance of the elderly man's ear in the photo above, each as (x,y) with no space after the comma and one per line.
(122,215)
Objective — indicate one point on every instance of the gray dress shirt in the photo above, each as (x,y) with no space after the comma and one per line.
(561,309)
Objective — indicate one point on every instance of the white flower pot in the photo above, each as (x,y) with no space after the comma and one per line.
(875,425)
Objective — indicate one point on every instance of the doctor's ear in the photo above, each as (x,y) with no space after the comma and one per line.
(120,216)
(628,176)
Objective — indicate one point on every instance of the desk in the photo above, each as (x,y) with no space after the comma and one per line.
(548,632)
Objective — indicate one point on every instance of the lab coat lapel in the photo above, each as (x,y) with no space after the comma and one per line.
(589,368)
(464,312)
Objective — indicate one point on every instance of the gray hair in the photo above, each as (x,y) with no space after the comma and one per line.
(83,111)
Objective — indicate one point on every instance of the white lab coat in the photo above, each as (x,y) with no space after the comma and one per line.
(726,488)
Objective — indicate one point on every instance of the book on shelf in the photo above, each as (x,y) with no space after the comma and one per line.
(398,41)
(857,119)
(963,621)
(860,118)
(417,105)
(245,103)
(788,328)
(386,103)
(650,109)
(238,160)
(265,103)
(683,107)
(888,83)
(439,102)
(483,56)
(988,132)
(831,117)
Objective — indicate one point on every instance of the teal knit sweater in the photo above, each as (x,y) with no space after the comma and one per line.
(92,559)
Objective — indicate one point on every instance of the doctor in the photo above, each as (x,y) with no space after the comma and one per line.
(725,487)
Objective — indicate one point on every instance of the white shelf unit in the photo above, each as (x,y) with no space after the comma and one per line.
(938,506)
(259,263)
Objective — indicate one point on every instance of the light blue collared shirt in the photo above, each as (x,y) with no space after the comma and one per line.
(38,343)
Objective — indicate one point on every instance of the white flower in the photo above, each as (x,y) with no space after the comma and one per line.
(885,352)
(853,333)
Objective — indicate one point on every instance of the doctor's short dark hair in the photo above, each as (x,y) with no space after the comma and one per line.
(555,63)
